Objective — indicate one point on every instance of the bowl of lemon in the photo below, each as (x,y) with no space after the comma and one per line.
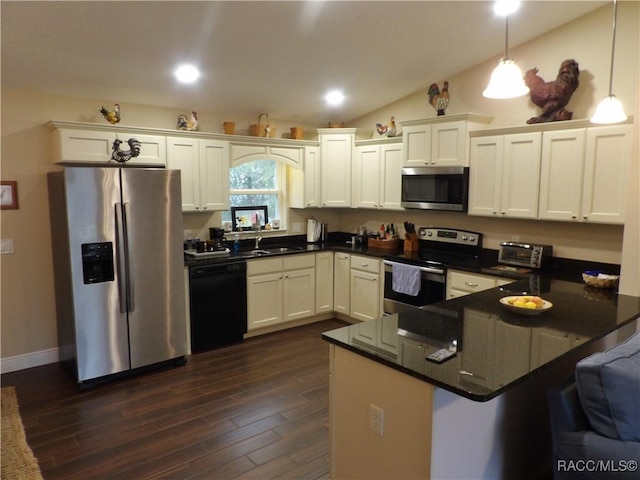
(526,304)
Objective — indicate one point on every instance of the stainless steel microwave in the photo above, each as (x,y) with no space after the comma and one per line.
(435,188)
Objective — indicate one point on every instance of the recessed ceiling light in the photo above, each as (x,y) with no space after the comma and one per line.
(187,73)
(505,7)
(334,97)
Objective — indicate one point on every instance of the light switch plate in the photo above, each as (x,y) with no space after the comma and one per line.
(6,246)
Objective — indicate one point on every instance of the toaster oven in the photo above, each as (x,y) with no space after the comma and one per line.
(525,254)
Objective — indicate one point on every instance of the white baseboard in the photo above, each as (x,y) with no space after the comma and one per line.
(29,360)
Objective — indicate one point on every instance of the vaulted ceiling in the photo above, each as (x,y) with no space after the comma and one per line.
(259,56)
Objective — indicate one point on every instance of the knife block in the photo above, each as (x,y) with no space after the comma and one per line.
(410,242)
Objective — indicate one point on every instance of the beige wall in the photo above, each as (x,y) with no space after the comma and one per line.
(27,299)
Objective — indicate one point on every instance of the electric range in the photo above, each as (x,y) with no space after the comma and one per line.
(438,249)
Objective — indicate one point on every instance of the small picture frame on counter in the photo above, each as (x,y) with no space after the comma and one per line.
(9,195)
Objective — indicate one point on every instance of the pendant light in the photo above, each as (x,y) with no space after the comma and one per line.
(506,80)
(610,109)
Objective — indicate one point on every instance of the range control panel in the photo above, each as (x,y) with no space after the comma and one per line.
(443,235)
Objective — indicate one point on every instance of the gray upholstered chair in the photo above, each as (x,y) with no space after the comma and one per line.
(595,417)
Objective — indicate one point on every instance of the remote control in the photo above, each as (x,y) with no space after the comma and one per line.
(441,355)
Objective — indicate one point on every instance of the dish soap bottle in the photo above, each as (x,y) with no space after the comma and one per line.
(236,243)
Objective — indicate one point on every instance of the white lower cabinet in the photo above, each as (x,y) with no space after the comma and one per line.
(464,283)
(280,289)
(341,282)
(365,288)
(324,282)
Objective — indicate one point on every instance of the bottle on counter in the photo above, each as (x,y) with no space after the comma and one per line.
(236,243)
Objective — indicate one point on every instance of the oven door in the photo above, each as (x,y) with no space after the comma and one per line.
(432,290)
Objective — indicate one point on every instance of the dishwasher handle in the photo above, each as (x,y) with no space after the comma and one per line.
(224,269)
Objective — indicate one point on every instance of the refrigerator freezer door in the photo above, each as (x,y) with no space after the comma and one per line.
(153,216)
(101,336)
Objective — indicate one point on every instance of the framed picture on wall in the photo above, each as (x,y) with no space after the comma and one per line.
(9,195)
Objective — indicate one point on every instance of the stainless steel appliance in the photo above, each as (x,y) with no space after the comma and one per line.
(525,254)
(438,249)
(218,304)
(435,188)
(119,269)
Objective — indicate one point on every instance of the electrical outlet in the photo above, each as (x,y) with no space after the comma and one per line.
(297,228)
(6,245)
(376,419)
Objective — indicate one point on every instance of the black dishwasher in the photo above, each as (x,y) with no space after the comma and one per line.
(218,298)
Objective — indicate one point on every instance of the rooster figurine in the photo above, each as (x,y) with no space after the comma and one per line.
(387,130)
(112,116)
(191,125)
(552,97)
(439,99)
(122,156)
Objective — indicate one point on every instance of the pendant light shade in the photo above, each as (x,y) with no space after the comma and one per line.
(610,109)
(506,80)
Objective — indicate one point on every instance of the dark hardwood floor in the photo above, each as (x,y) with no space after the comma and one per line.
(256,410)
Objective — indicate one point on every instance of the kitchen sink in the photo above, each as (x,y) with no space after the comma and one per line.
(270,251)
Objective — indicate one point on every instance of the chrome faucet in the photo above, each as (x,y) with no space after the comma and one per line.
(258,236)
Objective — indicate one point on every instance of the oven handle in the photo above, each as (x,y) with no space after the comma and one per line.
(437,271)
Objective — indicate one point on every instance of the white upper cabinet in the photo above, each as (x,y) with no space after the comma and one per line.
(336,152)
(440,141)
(504,175)
(606,167)
(377,181)
(204,172)
(304,184)
(77,143)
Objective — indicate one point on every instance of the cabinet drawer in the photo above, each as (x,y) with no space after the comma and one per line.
(264,265)
(366,264)
(469,282)
(294,262)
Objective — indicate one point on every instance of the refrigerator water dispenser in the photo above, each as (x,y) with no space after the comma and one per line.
(97,262)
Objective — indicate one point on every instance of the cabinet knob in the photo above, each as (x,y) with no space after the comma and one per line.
(584,217)
(503,213)
(573,216)
(472,285)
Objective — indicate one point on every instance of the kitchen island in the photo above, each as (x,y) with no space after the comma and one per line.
(480,414)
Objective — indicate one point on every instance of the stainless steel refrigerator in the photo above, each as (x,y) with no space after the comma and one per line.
(119,271)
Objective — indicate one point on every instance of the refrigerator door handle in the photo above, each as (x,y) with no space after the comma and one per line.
(131,305)
(121,257)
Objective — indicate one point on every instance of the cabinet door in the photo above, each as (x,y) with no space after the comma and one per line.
(336,156)
(324,282)
(390,177)
(521,175)
(214,174)
(153,149)
(561,174)
(264,300)
(606,174)
(304,183)
(365,295)
(464,283)
(485,175)
(416,143)
(299,289)
(448,144)
(183,155)
(547,344)
(341,283)
(512,359)
(366,177)
(83,146)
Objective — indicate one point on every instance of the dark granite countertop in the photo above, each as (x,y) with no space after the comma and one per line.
(496,348)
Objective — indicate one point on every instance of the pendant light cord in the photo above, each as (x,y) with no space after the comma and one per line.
(506,36)
(613,45)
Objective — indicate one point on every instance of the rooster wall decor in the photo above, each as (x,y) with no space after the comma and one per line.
(122,156)
(387,130)
(191,125)
(112,116)
(552,97)
(439,99)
